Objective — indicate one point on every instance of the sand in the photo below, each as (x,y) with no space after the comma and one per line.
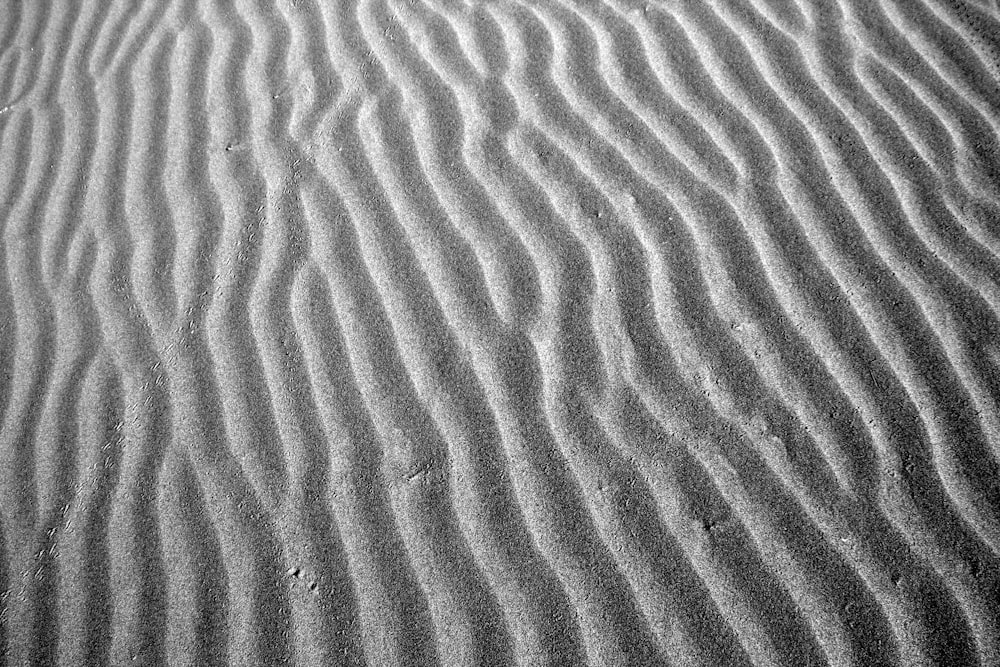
(488,332)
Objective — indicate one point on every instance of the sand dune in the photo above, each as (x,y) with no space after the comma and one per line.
(412,332)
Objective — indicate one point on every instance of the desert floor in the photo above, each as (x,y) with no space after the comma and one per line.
(488,332)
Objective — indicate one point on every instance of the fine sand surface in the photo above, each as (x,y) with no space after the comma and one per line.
(488,332)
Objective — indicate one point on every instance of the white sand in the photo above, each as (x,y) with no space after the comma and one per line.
(406,332)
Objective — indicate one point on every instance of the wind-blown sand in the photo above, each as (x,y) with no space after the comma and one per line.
(413,332)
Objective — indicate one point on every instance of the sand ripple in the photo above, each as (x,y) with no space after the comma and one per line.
(411,332)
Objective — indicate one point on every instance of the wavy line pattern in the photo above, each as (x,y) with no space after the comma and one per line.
(411,332)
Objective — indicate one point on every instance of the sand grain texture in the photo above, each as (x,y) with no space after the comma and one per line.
(548,332)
